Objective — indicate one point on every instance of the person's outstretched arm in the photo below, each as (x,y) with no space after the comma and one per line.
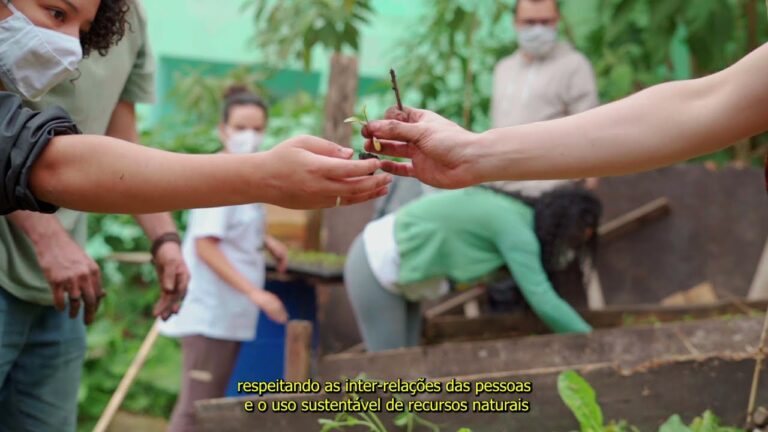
(522,253)
(101,174)
(659,126)
(44,163)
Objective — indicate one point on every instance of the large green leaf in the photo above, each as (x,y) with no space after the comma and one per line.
(580,398)
(674,424)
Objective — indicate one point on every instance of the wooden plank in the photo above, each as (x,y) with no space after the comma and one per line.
(595,296)
(472,309)
(634,219)
(131,257)
(758,290)
(623,347)
(454,302)
(645,396)
(298,350)
(457,328)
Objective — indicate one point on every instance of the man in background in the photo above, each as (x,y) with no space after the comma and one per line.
(544,79)
(43,266)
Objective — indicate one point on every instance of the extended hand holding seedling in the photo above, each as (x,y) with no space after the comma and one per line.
(400,137)
(648,130)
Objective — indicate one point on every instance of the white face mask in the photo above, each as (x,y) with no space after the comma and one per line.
(537,40)
(243,142)
(34,59)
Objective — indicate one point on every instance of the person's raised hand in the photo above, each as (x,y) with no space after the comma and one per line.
(436,146)
(307,172)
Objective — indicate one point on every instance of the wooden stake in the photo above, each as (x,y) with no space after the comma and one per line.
(125,384)
(758,367)
(298,350)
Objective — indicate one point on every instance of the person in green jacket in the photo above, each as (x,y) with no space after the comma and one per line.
(464,236)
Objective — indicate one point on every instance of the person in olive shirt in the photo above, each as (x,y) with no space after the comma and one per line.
(41,254)
(464,236)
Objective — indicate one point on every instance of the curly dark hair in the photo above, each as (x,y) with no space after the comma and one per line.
(108,27)
(562,218)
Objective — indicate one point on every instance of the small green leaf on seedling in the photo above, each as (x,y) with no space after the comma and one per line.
(353,119)
(365,114)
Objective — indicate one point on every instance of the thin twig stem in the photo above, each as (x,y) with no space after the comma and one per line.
(397,89)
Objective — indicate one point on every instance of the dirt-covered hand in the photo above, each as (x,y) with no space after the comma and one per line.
(72,274)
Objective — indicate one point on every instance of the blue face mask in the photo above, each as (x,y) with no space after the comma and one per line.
(34,59)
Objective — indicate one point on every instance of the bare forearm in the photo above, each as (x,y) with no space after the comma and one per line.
(37,226)
(156,224)
(135,179)
(662,125)
(122,126)
(208,250)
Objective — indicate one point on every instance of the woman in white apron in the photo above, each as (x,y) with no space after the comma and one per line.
(223,248)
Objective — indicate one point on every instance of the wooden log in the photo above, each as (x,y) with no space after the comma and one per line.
(634,219)
(457,328)
(298,350)
(623,347)
(645,396)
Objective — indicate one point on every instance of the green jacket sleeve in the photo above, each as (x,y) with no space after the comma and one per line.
(521,252)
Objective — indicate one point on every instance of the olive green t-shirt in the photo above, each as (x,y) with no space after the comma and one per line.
(126,73)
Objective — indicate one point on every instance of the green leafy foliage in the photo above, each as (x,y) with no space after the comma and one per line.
(362,120)
(448,59)
(114,339)
(291,29)
(446,62)
(580,397)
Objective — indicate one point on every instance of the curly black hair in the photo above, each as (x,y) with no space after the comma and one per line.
(562,217)
(108,27)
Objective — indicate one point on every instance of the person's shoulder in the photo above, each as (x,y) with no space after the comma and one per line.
(137,14)
(572,56)
(136,18)
(507,61)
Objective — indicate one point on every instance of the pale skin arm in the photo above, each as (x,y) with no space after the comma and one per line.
(208,250)
(279,252)
(662,125)
(106,175)
(172,272)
